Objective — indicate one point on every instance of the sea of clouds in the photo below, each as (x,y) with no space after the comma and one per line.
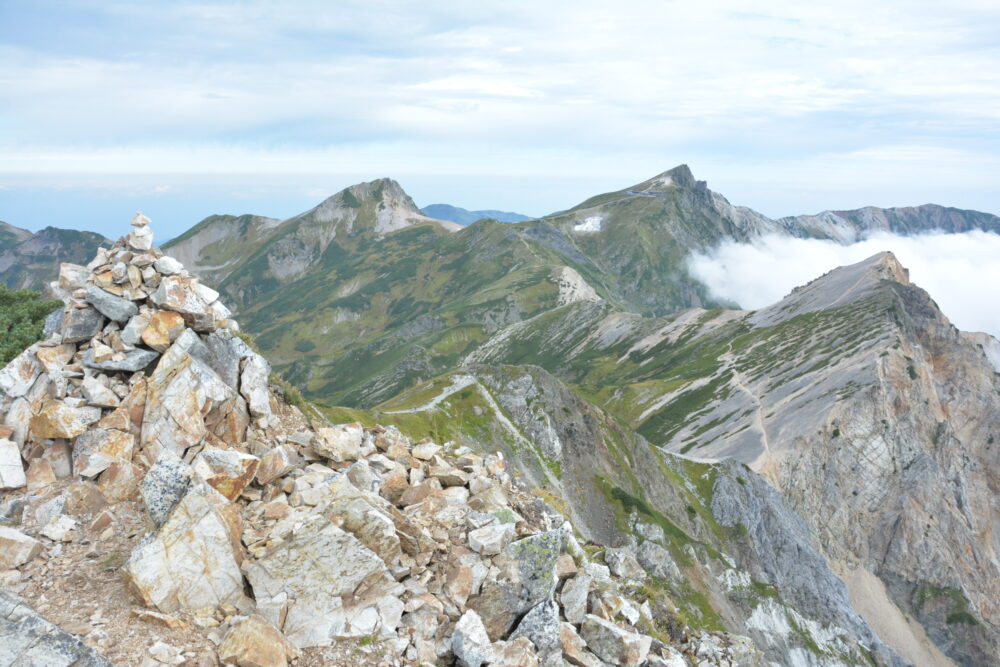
(960,271)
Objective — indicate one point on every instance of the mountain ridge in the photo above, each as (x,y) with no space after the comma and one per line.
(466,217)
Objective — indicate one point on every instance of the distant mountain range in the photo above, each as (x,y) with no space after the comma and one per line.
(31,260)
(465,217)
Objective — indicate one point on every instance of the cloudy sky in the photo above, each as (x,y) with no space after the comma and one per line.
(187,108)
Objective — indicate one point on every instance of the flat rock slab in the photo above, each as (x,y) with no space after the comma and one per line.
(27,639)
(113,307)
(135,360)
(190,563)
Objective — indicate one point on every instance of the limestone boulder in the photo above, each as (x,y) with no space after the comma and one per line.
(130,362)
(16,548)
(253,642)
(192,562)
(519,652)
(574,649)
(163,329)
(491,539)
(72,276)
(112,307)
(18,376)
(141,239)
(339,443)
(228,471)
(276,463)
(167,265)
(40,474)
(98,448)
(120,481)
(58,419)
(185,399)
(470,642)
(254,377)
(11,467)
(574,597)
(131,333)
(99,395)
(613,644)
(54,358)
(321,583)
(181,295)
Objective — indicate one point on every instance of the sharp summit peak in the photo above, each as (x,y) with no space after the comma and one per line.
(680,176)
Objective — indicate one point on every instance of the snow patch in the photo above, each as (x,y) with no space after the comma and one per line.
(590,225)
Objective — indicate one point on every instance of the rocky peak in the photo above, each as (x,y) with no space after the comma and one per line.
(381,206)
(11,235)
(839,287)
(680,176)
(253,535)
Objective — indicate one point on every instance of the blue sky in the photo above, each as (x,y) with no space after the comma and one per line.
(184,109)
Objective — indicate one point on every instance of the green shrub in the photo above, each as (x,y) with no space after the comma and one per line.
(22,315)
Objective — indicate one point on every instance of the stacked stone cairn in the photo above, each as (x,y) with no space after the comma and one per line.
(273,534)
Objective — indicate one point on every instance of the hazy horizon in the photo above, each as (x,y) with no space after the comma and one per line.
(187,109)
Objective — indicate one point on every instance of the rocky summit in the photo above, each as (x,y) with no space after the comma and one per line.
(163,505)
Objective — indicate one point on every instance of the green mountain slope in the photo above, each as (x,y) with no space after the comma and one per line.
(710,533)
(854,396)
(31,261)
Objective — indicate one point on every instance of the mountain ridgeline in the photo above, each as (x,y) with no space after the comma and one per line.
(466,217)
(815,480)
(366,303)
(30,260)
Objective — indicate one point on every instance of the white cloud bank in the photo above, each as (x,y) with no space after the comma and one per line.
(960,271)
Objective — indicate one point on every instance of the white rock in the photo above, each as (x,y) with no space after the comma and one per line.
(168,266)
(73,276)
(99,395)
(17,376)
(57,527)
(490,540)
(253,387)
(470,643)
(167,654)
(339,443)
(141,238)
(425,451)
(16,548)
(191,562)
(317,585)
(11,468)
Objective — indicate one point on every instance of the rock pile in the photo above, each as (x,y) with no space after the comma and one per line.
(271,539)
